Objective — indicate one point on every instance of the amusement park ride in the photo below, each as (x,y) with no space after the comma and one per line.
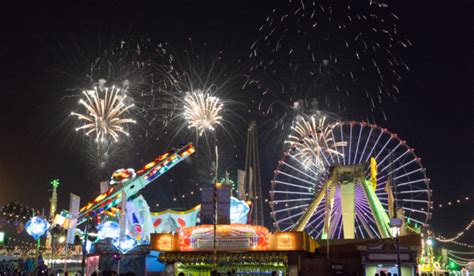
(370,177)
(368,180)
(125,185)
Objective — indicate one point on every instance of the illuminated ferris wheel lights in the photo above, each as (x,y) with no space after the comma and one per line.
(362,141)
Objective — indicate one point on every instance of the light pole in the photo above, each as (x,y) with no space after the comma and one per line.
(84,246)
(37,227)
(397,222)
(214,201)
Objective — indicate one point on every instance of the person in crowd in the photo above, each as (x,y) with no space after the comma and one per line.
(41,269)
(3,267)
(29,265)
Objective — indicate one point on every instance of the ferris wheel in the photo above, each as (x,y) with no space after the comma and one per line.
(347,180)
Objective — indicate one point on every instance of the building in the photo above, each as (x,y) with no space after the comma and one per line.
(363,257)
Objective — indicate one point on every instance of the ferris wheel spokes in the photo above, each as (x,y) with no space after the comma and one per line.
(310,168)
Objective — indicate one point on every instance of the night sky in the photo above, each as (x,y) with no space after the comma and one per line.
(434,112)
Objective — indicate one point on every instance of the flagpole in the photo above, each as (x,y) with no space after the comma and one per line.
(65,255)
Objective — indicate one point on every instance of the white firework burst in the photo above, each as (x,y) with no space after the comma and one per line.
(202,111)
(105,114)
(313,142)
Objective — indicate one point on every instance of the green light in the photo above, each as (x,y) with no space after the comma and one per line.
(2,237)
(452,265)
(55,183)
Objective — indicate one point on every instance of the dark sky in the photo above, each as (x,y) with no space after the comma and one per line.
(434,113)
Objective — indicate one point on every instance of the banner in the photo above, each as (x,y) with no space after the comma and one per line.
(74,202)
(171,221)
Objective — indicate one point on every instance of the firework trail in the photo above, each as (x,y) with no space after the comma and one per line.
(332,53)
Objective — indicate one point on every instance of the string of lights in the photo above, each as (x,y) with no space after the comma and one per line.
(29,252)
(441,238)
(190,194)
(451,203)
(460,263)
(24,243)
(459,258)
(461,252)
(462,244)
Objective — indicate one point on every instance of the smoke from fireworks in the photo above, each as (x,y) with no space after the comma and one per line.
(104,117)
(313,142)
(202,111)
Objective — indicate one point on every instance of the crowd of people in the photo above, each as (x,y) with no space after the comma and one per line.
(21,267)
(17,267)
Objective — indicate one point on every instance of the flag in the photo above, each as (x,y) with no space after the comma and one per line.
(74,201)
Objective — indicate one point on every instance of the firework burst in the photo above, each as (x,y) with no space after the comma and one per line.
(335,52)
(202,111)
(200,89)
(313,142)
(105,114)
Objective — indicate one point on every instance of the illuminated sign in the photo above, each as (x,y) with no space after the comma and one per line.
(232,237)
(285,241)
(239,211)
(293,241)
(2,237)
(166,242)
(229,237)
(37,227)
(126,244)
(109,229)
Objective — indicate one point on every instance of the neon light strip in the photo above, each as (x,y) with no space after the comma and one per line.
(298,170)
(358,141)
(292,185)
(342,140)
(390,153)
(294,177)
(289,208)
(383,148)
(291,200)
(350,143)
(365,146)
(373,148)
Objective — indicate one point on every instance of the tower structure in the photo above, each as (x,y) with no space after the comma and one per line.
(52,207)
(252,182)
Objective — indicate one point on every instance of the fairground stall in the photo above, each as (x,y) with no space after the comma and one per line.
(237,248)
